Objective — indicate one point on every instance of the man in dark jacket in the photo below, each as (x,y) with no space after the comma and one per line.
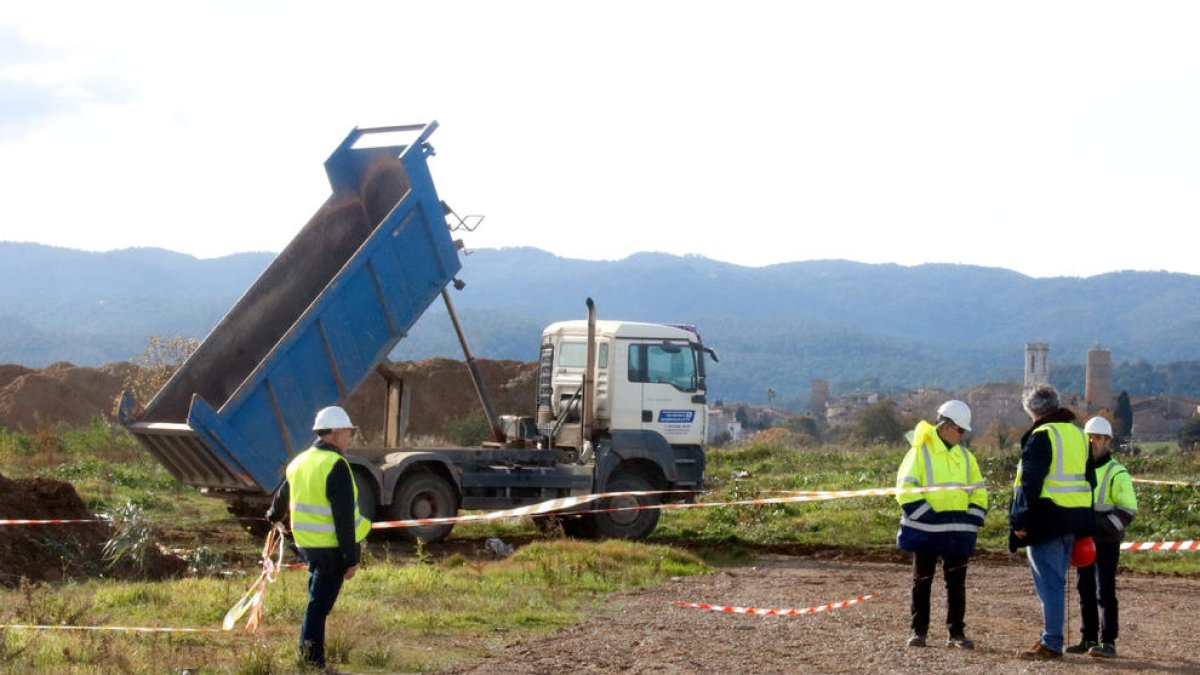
(1115,507)
(1051,505)
(320,497)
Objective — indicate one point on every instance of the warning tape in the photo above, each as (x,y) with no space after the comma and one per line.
(254,598)
(1188,545)
(57,521)
(758,611)
(564,503)
(128,629)
(550,506)
(1182,483)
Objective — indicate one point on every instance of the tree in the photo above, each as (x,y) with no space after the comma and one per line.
(803,424)
(878,423)
(1124,419)
(742,415)
(156,365)
(1189,435)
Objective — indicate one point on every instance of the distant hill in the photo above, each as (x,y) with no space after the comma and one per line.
(778,326)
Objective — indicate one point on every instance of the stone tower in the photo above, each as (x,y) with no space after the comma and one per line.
(819,397)
(1037,364)
(1097,388)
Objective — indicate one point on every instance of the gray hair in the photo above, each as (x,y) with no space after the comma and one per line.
(1041,400)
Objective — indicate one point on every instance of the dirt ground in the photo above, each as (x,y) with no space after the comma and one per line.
(52,552)
(643,632)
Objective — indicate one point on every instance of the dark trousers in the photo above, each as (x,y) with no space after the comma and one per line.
(954,569)
(325,576)
(1097,583)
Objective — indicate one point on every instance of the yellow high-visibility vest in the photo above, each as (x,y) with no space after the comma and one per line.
(929,463)
(1066,482)
(1114,491)
(312,512)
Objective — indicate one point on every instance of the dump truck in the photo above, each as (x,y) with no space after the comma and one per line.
(621,406)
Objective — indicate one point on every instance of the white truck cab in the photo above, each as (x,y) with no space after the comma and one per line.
(648,377)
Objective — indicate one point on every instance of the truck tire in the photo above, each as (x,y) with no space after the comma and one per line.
(423,494)
(627,524)
(368,501)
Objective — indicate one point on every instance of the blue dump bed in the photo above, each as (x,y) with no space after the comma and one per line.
(313,326)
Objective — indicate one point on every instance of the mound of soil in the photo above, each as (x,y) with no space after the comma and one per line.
(59,393)
(441,392)
(50,552)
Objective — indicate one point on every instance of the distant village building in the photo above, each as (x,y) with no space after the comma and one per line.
(996,402)
(723,421)
(1097,388)
(921,403)
(1154,418)
(843,410)
(1159,418)
(1037,364)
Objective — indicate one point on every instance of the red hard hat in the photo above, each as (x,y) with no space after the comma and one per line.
(1084,552)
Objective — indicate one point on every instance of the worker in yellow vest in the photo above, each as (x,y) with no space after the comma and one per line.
(944,523)
(1051,505)
(1115,507)
(322,501)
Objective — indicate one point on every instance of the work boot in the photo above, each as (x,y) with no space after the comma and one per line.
(960,641)
(1105,650)
(917,640)
(1039,652)
(1082,647)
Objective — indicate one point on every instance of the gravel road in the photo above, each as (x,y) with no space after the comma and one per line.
(643,632)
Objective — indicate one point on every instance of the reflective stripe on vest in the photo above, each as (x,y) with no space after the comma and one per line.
(311,511)
(1066,483)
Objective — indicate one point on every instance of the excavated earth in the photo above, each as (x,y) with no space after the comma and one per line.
(37,400)
(644,632)
(50,552)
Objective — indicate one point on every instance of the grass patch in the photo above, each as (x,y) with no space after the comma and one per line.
(1166,513)
(390,617)
(412,613)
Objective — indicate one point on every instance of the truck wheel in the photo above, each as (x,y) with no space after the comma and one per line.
(367,500)
(627,524)
(423,494)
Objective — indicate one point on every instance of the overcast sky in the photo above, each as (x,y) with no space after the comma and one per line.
(1053,138)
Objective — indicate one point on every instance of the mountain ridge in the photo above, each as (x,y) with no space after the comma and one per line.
(778,326)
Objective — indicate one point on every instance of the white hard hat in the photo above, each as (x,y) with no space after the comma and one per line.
(957,412)
(1098,426)
(332,417)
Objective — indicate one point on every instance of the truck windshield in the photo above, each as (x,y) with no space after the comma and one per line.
(663,364)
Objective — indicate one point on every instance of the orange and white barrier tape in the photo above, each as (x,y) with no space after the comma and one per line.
(1188,545)
(252,601)
(56,521)
(562,504)
(758,611)
(1181,483)
(126,629)
(549,506)
(806,496)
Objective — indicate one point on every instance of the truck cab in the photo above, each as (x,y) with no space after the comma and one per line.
(649,377)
